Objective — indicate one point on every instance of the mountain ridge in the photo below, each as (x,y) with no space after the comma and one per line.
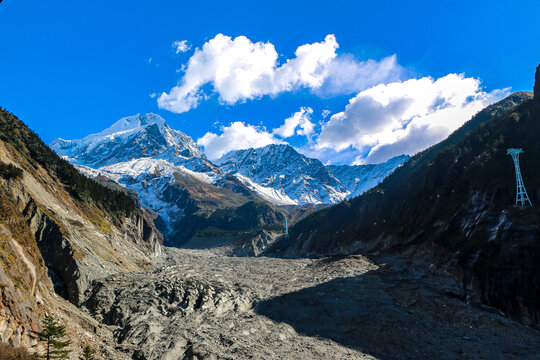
(297,179)
(450,206)
(173,178)
(134,137)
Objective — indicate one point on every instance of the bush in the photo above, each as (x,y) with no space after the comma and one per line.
(10,171)
(8,352)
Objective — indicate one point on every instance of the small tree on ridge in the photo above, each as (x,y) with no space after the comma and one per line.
(52,336)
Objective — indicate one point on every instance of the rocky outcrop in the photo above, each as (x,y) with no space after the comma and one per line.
(18,303)
(499,263)
(57,251)
(148,310)
(71,268)
(537,84)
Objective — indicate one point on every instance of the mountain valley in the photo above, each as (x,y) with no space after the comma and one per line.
(191,195)
(147,250)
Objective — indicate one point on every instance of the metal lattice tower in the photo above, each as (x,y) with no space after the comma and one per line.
(522,198)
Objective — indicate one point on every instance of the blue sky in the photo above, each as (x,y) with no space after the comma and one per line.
(70,68)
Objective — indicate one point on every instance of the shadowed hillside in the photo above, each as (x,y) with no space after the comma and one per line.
(452,205)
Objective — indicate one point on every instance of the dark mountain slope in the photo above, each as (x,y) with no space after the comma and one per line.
(452,205)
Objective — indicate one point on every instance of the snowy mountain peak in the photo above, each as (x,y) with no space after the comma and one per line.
(280,169)
(131,123)
(134,137)
(282,175)
(357,179)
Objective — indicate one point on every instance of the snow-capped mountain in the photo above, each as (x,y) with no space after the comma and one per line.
(172,176)
(135,137)
(281,175)
(358,179)
(168,171)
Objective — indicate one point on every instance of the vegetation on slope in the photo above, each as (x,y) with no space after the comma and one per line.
(26,142)
(10,171)
(447,205)
(8,352)
(438,180)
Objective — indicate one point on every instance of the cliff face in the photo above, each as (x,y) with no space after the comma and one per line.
(54,243)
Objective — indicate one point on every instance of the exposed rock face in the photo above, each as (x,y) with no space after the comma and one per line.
(71,267)
(53,241)
(18,288)
(505,274)
(537,84)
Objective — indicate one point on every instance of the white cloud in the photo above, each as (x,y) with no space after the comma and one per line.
(149,60)
(347,75)
(181,46)
(236,136)
(239,70)
(299,123)
(404,117)
(325,113)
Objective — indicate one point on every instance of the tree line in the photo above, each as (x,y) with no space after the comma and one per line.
(28,143)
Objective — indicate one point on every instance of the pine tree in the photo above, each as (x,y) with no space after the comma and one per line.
(53,336)
(88,354)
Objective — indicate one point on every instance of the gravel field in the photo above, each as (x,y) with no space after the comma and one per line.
(203,305)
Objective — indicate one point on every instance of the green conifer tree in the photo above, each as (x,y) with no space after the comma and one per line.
(53,336)
(88,354)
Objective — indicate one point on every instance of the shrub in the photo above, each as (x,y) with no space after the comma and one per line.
(10,171)
(8,352)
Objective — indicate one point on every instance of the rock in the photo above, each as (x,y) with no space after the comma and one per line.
(537,84)
(203,305)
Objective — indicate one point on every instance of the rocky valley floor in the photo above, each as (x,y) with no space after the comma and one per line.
(203,305)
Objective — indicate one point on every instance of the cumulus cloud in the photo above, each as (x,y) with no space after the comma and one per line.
(347,75)
(239,70)
(404,117)
(236,136)
(298,124)
(181,46)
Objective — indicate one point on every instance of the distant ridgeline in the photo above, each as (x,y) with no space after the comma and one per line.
(14,132)
(453,205)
